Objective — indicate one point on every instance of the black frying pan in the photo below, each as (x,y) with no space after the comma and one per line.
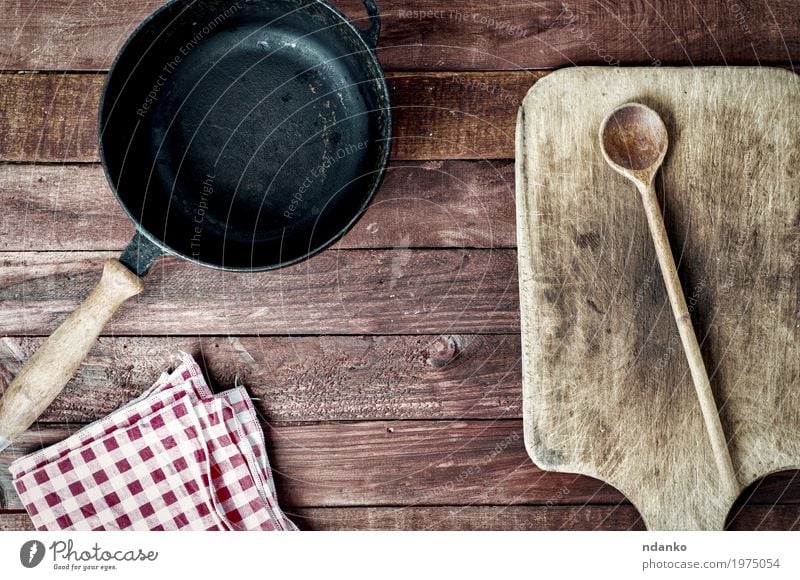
(240,135)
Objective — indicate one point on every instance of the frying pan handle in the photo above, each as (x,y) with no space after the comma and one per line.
(372,33)
(53,365)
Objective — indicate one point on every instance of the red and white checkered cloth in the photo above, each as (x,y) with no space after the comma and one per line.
(179,457)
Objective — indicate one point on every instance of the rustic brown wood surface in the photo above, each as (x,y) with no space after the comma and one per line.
(392,291)
(482,518)
(458,35)
(304,378)
(387,368)
(437,115)
(408,463)
(433,204)
(594,305)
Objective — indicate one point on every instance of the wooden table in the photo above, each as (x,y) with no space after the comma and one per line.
(388,367)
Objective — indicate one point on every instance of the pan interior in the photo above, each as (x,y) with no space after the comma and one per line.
(245,135)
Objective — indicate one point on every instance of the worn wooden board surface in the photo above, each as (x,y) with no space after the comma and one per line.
(398,291)
(437,115)
(303,378)
(463,34)
(446,204)
(395,463)
(607,388)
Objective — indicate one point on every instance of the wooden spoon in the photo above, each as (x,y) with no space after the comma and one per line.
(634,142)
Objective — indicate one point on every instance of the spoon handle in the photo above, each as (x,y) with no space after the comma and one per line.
(702,385)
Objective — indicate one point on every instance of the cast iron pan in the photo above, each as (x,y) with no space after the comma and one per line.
(240,135)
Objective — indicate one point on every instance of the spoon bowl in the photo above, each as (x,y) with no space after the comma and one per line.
(634,140)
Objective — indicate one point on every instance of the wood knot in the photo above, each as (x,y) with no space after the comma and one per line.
(443,350)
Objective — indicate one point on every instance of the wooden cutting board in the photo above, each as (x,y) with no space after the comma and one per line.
(607,390)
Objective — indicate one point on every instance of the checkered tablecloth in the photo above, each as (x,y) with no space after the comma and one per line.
(178,457)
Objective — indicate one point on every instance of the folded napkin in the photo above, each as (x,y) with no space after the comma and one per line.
(178,457)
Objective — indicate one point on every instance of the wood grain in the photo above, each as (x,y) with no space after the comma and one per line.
(410,463)
(15,521)
(457,115)
(490,518)
(456,518)
(49,117)
(304,378)
(419,204)
(444,115)
(591,289)
(399,291)
(388,463)
(465,34)
(519,518)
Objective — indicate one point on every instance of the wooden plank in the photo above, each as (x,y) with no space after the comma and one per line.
(491,518)
(53,117)
(60,207)
(388,463)
(329,378)
(400,291)
(476,518)
(457,115)
(519,518)
(15,522)
(419,204)
(409,463)
(464,34)
(459,518)
(49,117)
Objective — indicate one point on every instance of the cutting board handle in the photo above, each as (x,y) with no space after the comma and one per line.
(53,365)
